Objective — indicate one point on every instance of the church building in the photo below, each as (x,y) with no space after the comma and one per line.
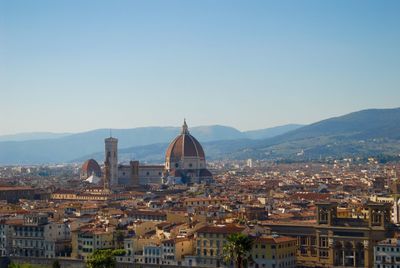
(185,162)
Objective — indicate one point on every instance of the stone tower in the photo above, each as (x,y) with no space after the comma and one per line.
(107,176)
(111,157)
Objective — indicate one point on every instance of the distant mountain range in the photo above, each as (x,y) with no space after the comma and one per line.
(374,132)
(44,147)
(32,136)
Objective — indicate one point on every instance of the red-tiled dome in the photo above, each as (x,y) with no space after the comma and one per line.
(185,145)
(91,166)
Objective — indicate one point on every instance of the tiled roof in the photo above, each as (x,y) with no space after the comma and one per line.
(275,239)
(90,166)
(221,229)
(184,145)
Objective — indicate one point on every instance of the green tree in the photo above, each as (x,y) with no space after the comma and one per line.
(104,258)
(237,250)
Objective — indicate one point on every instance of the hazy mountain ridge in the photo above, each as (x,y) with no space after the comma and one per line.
(74,146)
(32,136)
(271,132)
(155,153)
(371,123)
(364,133)
(360,134)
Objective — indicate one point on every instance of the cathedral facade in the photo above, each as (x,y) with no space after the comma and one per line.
(185,162)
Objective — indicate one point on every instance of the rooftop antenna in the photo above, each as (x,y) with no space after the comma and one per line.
(110,133)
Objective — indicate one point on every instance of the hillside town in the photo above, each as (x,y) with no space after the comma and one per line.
(332,213)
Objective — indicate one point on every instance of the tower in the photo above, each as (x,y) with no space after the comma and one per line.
(106,180)
(111,158)
(326,213)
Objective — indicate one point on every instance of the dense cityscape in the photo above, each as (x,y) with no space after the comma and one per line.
(185,213)
(204,134)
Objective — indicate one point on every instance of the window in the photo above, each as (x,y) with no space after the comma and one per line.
(324,253)
(323,242)
(323,216)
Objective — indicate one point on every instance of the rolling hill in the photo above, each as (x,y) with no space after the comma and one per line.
(364,133)
(43,148)
(271,132)
(373,132)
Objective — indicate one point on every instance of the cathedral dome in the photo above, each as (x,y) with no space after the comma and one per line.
(89,167)
(183,146)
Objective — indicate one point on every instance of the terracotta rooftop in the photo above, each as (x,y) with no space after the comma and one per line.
(184,145)
(221,229)
(275,239)
(15,188)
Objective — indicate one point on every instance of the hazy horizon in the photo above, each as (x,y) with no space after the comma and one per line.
(178,126)
(73,66)
(88,130)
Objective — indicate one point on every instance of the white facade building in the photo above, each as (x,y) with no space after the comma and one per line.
(387,254)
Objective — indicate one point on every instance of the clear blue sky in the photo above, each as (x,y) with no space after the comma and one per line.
(76,65)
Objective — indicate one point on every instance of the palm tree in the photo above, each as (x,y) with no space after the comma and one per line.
(237,250)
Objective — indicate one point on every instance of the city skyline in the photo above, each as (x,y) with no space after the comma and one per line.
(75,67)
(205,134)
